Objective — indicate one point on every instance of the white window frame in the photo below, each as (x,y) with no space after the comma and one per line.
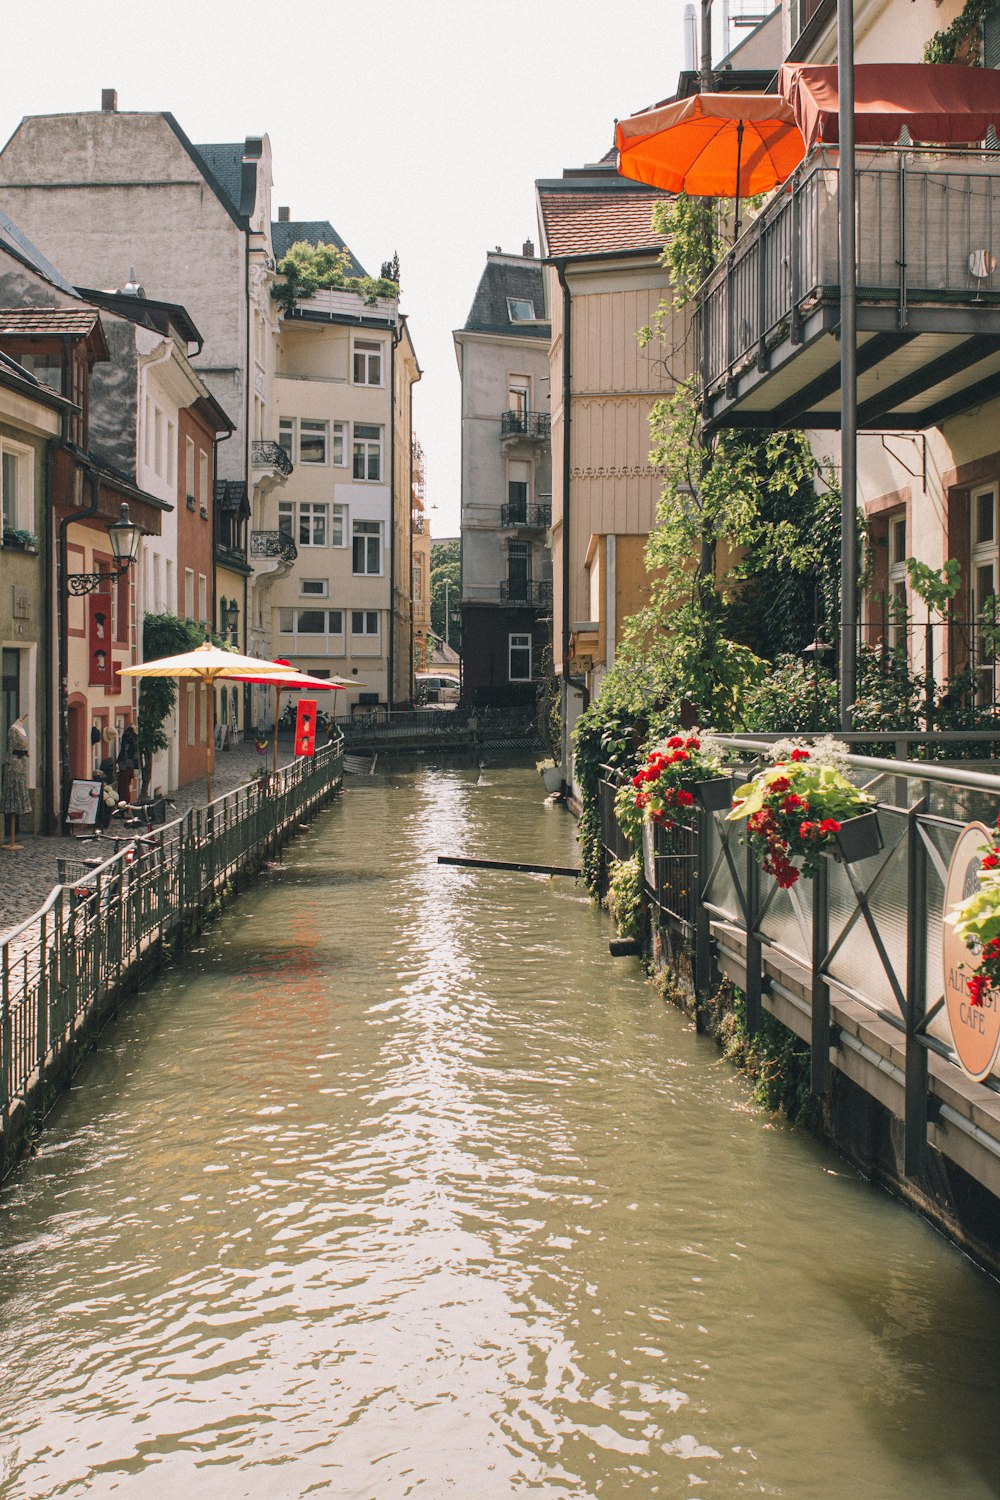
(368,532)
(365,447)
(339,529)
(22,516)
(202,599)
(314,588)
(368,358)
(309,513)
(189,593)
(327,642)
(317,428)
(518,641)
(203,480)
(189,471)
(515,317)
(366,626)
(519,394)
(898,580)
(338,444)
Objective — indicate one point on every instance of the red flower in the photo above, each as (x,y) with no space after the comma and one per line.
(800,755)
(829,825)
(684,798)
(808,830)
(677,757)
(990,861)
(976,985)
(791,803)
(692,744)
(675,742)
(780,784)
(638,778)
(641,800)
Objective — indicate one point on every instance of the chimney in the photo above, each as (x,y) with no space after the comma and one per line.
(283,216)
(109,101)
(528,250)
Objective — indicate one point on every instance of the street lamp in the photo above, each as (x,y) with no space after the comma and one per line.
(124,536)
(229,618)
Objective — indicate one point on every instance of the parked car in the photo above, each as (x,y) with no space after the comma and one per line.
(433,687)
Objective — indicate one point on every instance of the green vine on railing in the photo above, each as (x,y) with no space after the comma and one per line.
(962,41)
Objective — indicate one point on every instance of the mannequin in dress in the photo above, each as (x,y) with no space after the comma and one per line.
(16,797)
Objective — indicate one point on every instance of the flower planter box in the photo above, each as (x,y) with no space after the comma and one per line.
(715,795)
(859,838)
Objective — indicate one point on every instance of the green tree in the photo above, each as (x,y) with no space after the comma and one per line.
(309,268)
(446,584)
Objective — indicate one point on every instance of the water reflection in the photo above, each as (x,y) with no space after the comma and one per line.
(400,1185)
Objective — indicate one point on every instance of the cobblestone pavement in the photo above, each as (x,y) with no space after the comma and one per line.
(27,878)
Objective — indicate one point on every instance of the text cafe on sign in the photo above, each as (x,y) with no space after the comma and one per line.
(975,1029)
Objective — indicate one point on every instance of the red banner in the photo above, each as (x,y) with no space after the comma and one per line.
(305,727)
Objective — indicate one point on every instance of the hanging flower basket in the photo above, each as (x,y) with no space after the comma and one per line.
(858,838)
(797,808)
(663,791)
(716,794)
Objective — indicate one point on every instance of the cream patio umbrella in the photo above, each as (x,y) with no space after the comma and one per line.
(292,678)
(207,664)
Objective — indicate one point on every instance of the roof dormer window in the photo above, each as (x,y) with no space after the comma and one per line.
(520,310)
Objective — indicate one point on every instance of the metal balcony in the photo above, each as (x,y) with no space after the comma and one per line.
(273,544)
(268,455)
(526,517)
(529,592)
(533,425)
(928,307)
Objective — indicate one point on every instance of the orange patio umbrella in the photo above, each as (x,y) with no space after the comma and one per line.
(712,145)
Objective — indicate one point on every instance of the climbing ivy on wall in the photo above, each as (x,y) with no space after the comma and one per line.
(962,41)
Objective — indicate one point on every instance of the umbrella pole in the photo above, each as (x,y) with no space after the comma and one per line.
(210,747)
(739,163)
(277,715)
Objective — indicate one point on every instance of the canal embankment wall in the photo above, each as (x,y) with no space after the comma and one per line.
(852,965)
(110,926)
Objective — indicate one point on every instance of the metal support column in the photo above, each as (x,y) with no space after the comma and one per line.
(848,366)
(915,1118)
(820,1079)
(754,965)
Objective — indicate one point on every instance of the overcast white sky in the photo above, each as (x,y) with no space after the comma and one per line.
(412,125)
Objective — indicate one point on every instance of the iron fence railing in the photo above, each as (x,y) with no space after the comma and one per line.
(525,424)
(273,544)
(59,968)
(532,517)
(267,455)
(525,591)
(868,933)
(927,221)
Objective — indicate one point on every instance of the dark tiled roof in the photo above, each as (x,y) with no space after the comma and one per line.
(508,276)
(288,232)
(16,241)
(225,162)
(591,217)
(69,320)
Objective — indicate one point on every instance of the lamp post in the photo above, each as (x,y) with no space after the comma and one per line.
(848,366)
(124,537)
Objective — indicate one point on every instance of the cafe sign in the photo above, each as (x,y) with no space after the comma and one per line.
(975,1029)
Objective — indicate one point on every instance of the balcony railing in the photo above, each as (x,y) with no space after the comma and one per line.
(527,517)
(528,591)
(525,424)
(273,544)
(267,455)
(928,245)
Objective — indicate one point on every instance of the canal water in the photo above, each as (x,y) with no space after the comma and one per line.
(400,1186)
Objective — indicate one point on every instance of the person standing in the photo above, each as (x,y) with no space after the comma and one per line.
(128,762)
(16,796)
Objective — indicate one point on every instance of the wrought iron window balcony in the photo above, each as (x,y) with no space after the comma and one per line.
(928,300)
(526,517)
(528,591)
(273,544)
(268,455)
(525,424)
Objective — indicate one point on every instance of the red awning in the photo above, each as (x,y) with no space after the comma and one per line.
(939,103)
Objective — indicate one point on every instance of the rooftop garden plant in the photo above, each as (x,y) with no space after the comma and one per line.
(311,268)
(795,808)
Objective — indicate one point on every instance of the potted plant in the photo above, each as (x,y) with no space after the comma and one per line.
(802,807)
(17,537)
(676,773)
(977,922)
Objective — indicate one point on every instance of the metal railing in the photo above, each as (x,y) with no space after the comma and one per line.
(924,218)
(273,544)
(525,424)
(62,967)
(867,933)
(532,517)
(525,591)
(267,455)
